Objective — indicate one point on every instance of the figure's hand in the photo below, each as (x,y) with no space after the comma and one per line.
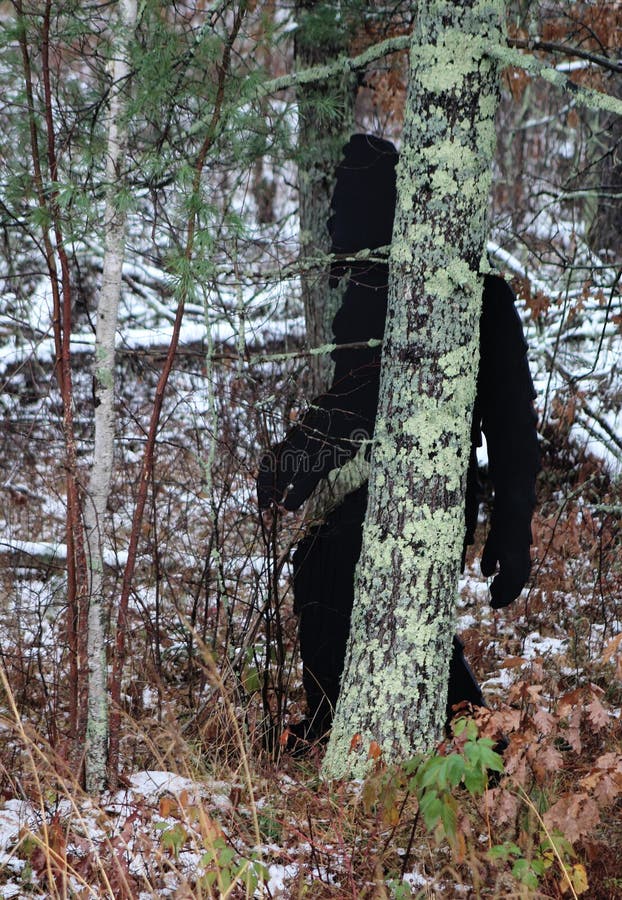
(275,487)
(288,473)
(269,491)
(514,568)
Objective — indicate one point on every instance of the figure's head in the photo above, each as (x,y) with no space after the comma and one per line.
(363,201)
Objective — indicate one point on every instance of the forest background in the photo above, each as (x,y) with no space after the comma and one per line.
(163,149)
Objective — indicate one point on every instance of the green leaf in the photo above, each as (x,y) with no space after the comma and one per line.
(455,769)
(471,730)
(251,680)
(523,871)
(430,771)
(459,726)
(411,766)
(472,753)
(560,842)
(504,851)
(210,878)
(400,890)
(430,805)
(475,781)
(449,816)
(174,838)
(489,759)
(226,856)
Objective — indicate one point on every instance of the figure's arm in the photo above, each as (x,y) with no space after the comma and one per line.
(508,419)
(330,433)
(340,421)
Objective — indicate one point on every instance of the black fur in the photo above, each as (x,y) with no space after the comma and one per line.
(337,422)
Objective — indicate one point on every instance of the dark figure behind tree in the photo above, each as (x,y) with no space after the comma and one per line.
(326,454)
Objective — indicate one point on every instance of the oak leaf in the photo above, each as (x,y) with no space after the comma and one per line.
(506,808)
(597,714)
(569,700)
(544,761)
(605,779)
(613,646)
(168,806)
(610,761)
(573,733)
(574,815)
(513,662)
(508,719)
(544,721)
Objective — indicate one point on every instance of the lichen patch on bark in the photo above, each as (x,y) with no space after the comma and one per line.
(395,679)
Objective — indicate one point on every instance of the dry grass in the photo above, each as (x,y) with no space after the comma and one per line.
(203,686)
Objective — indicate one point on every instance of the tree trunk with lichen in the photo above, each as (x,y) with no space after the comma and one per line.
(326,116)
(394,684)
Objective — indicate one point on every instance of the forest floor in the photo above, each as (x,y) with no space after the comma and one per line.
(203,809)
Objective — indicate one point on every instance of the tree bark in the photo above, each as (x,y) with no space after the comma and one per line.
(104,376)
(605,230)
(394,685)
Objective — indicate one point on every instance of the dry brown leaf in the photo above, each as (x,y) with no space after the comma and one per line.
(545,760)
(534,690)
(574,815)
(607,789)
(605,780)
(591,780)
(544,721)
(572,119)
(573,733)
(611,761)
(375,751)
(517,80)
(356,742)
(500,805)
(515,758)
(512,662)
(168,806)
(508,719)
(613,647)
(568,701)
(597,714)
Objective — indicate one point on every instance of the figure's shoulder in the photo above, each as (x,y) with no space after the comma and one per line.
(498,302)
(363,201)
(500,324)
(498,291)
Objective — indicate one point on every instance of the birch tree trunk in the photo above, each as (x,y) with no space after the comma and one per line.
(326,119)
(394,685)
(101,472)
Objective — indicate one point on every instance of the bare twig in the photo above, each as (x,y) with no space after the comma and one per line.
(551,47)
